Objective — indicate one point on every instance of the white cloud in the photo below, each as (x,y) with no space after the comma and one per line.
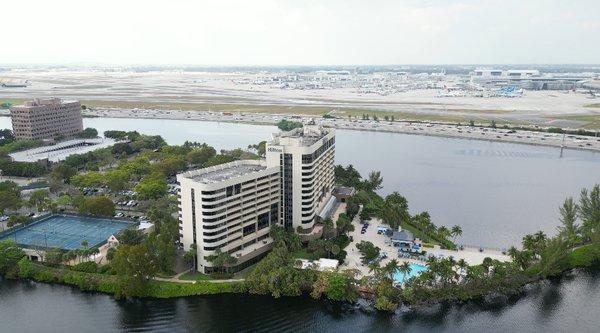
(270,32)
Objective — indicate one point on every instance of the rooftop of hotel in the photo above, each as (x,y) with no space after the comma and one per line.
(219,173)
(305,136)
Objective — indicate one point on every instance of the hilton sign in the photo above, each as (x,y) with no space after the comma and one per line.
(275,150)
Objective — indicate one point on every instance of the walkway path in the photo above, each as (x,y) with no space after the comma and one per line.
(176,279)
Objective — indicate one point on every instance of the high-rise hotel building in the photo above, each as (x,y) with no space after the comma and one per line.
(46,119)
(305,160)
(232,206)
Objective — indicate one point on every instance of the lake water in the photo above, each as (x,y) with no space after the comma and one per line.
(497,192)
(569,306)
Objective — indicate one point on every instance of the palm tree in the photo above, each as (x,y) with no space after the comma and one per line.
(443,232)
(456,231)
(589,212)
(569,230)
(405,269)
(84,252)
(374,267)
(190,256)
(391,268)
(462,266)
(221,259)
(487,263)
(335,249)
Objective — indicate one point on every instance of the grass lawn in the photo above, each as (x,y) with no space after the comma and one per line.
(195,276)
(314,110)
(593,105)
(417,233)
(165,275)
(592,120)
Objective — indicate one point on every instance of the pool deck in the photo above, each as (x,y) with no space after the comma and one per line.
(471,255)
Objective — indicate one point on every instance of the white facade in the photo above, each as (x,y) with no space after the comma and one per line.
(229,207)
(305,158)
(232,206)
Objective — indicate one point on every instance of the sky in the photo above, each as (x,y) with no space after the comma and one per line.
(285,32)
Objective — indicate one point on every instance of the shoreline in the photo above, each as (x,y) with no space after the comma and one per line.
(400,126)
(157,289)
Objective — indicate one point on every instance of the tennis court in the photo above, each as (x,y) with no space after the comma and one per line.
(66,232)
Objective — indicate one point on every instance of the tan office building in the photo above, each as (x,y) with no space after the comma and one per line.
(46,119)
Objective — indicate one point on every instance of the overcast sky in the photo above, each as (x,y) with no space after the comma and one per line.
(278,32)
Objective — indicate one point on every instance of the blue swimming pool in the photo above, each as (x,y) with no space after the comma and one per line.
(65,232)
(415,269)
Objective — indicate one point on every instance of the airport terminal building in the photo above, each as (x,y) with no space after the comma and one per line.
(46,119)
(232,206)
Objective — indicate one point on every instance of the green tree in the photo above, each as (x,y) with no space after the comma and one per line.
(39,199)
(110,253)
(285,238)
(260,148)
(191,255)
(10,254)
(88,133)
(394,210)
(553,257)
(405,269)
(368,251)
(344,224)
(199,156)
(98,206)
(134,267)
(117,180)
(152,187)
(117,135)
(373,183)
(278,275)
(9,200)
(339,288)
(130,237)
(589,212)
(287,125)
(569,230)
(218,160)
(162,246)
(456,231)
(221,260)
(53,257)
(391,268)
(63,172)
(89,179)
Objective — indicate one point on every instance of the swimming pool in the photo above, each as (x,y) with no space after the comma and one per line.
(415,269)
(65,232)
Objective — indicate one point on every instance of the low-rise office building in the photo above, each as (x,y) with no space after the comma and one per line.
(46,119)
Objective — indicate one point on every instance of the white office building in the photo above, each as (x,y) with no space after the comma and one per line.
(232,206)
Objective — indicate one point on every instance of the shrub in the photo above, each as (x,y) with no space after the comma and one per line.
(86,267)
(585,256)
